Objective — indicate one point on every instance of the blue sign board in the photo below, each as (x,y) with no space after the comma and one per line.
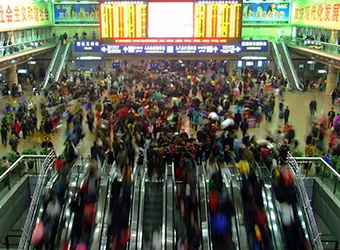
(266,13)
(86,46)
(254,45)
(170,49)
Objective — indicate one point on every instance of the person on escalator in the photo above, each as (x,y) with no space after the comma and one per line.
(91,186)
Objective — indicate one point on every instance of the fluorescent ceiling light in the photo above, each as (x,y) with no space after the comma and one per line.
(32,62)
(89,58)
(254,58)
(310,62)
(22,71)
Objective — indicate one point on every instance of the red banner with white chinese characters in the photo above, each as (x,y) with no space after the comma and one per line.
(323,15)
(24,15)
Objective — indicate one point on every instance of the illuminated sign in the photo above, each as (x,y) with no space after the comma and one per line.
(81,46)
(170,49)
(266,13)
(140,22)
(24,15)
(254,45)
(75,13)
(323,15)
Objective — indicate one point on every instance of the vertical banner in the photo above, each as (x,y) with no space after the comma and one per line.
(76,14)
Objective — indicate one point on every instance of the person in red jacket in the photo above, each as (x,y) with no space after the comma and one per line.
(16,128)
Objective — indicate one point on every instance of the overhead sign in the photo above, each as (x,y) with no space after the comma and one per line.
(76,13)
(271,13)
(170,49)
(14,15)
(90,46)
(255,45)
(320,14)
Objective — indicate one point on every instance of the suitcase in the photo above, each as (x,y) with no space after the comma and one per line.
(281,114)
(251,122)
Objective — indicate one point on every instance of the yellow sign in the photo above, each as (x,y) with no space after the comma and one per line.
(24,15)
(323,15)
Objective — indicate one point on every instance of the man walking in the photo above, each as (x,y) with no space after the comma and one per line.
(286,115)
(331,116)
(312,107)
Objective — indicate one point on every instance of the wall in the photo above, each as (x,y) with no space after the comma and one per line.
(256,32)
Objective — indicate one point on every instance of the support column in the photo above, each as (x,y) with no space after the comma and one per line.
(332,79)
(12,76)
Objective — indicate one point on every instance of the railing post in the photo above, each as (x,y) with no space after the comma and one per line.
(335,184)
(336,245)
(7,242)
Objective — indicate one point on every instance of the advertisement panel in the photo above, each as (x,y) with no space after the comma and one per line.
(24,15)
(153,22)
(269,13)
(76,14)
(322,15)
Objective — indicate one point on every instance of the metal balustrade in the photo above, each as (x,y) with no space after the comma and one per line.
(330,48)
(28,227)
(307,208)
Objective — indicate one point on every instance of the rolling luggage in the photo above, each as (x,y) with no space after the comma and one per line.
(281,114)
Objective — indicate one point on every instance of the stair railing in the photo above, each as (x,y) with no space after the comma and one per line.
(29,223)
(307,208)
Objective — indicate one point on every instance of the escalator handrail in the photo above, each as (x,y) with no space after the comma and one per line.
(170,217)
(207,206)
(50,67)
(279,60)
(164,213)
(280,229)
(226,181)
(134,178)
(202,196)
(135,209)
(104,231)
(141,211)
(291,66)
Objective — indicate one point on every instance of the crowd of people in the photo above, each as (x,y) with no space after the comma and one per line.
(143,117)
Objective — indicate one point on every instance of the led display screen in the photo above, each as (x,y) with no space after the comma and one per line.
(170,22)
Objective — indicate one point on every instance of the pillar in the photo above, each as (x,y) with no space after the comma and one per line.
(332,79)
(12,75)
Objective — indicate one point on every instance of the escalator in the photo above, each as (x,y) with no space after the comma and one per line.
(152,214)
(287,66)
(272,209)
(57,64)
(121,214)
(231,187)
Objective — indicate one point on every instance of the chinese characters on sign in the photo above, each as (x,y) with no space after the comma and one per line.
(254,45)
(80,14)
(170,49)
(23,15)
(323,15)
(90,46)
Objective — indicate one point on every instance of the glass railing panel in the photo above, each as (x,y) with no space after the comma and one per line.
(318,168)
(25,46)
(25,164)
(330,48)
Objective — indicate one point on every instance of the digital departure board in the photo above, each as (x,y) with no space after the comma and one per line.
(170,22)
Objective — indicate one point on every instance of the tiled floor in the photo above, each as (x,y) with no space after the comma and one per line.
(299,117)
